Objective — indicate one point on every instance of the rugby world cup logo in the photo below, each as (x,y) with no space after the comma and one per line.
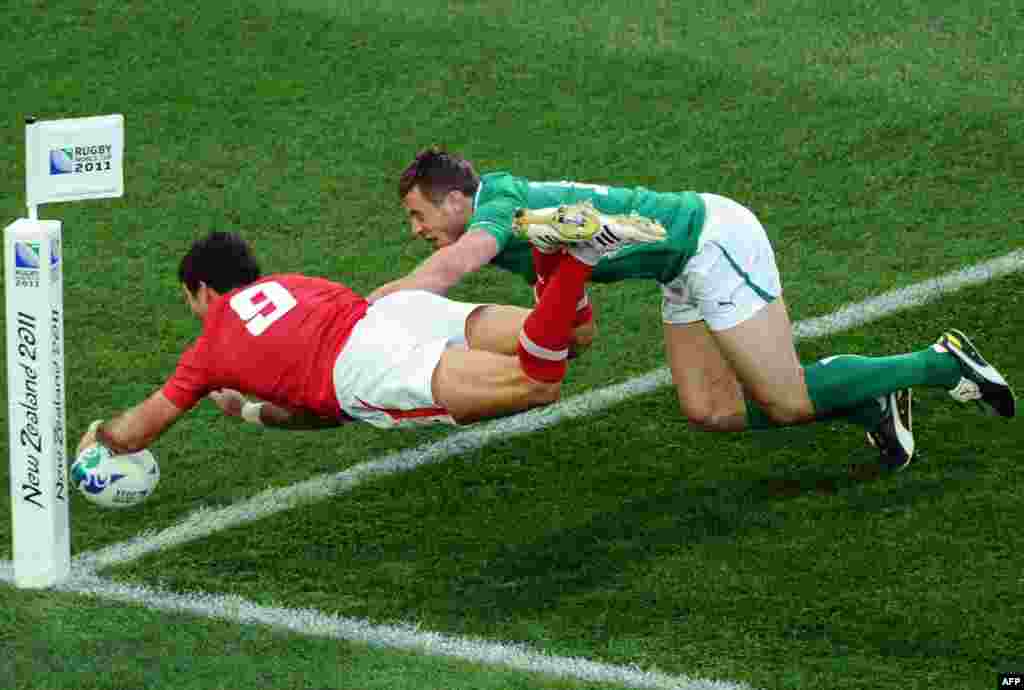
(85,472)
(26,255)
(96,484)
(62,161)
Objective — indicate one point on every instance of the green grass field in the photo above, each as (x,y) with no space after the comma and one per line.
(879,142)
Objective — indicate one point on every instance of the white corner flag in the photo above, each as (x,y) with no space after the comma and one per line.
(75,159)
(65,160)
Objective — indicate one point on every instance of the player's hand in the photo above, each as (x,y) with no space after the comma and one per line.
(229,401)
(89,437)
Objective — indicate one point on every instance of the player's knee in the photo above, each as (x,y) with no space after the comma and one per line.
(543,393)
(705,416)
(709,421)
(788,412)
(720,411)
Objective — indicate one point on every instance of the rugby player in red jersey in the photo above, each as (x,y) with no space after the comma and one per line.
(315,354)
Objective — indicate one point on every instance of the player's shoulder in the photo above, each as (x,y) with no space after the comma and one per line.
(291,279)
(498,176)
(298,285)
(496,186)
(299,281)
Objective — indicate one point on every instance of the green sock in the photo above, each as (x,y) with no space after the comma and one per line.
(847,386)
(845,382)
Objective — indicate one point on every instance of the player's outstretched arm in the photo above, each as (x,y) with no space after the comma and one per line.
(445,267)
(135,428)
(234,404)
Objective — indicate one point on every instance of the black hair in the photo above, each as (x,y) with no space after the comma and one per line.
(222,260)
(438,172)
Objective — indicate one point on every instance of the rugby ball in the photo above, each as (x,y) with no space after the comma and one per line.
(115,481)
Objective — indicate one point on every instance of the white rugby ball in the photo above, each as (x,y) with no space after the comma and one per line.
(115,481)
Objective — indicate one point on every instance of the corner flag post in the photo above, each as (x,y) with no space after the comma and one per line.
(65,160)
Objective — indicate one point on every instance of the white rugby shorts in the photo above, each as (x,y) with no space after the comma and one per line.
(383,374)
(732,275)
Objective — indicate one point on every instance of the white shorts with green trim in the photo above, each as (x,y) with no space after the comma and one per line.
(384,373)
(732,275)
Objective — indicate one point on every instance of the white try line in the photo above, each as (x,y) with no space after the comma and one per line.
(204,522)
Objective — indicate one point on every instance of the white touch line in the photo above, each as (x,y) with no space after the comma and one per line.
(205,521)
(402,637)
(909,297)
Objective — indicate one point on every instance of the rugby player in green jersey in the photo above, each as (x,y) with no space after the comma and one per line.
(728,336)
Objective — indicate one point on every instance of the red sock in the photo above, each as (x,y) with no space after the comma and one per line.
(544,340)
(584,308)
(544,265)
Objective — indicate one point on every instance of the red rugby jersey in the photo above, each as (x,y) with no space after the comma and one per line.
(276,339)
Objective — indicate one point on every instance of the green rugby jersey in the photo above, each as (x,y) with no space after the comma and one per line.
(682,215)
